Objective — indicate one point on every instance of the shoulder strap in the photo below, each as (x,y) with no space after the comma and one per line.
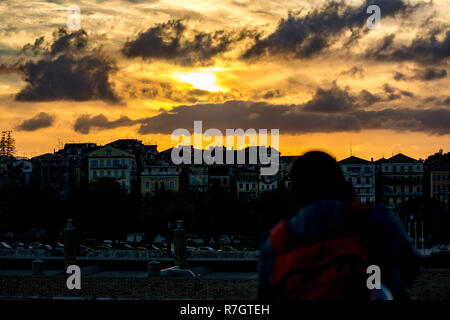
(280,237)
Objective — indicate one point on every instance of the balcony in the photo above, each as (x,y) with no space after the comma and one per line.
(106,167)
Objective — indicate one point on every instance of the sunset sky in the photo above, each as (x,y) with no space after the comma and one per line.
(310,68)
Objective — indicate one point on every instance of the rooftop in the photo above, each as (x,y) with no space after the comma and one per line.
(398,158)
(354,160)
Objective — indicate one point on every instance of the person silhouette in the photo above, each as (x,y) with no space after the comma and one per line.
(323,251)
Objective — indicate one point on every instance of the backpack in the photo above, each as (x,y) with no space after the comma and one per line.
(331,269)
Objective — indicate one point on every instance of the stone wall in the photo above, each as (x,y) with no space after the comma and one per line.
(432,284)
(133,254)
(142,288)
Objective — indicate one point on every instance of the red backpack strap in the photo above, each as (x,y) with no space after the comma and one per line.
(280,238)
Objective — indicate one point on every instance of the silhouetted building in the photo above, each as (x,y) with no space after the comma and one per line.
(361,174)
(439,175)
(113,163)
(77,155)
(247,183)
(286,163)
(399,179)
(160,178)
(198,178)
(220,179)
(52,174)
(24,171)
(267,183)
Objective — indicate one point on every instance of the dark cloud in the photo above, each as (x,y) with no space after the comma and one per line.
(331,100)
(446,101)
(369,98)
(308,35)
(269,94)
(426,74)
(337,99)
(66,68)
(85,123)
(173,41)
(395,93)
(354,72)
(317,115)
(40,121)
(424,49)
(292,119)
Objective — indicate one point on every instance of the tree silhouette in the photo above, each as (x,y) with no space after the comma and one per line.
(7,145)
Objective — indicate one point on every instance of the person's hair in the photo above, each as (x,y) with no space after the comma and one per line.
(317,176)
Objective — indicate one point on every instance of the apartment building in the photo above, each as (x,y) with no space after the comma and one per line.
(361,174)
(113,163)
(439,175)
(160,178)
(400,178)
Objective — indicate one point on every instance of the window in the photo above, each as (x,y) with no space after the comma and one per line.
(116,163)
(108,152)
(123,174)
(102,174)
(123,162)
(109,173)
(354,169)
(116,174)
(102,164)
(241,186)
(108,163)
(172,184)
(94,163)
(358,180)
(94,174)
(367,180)
(147,184)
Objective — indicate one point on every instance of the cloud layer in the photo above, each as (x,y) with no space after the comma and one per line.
(305,36)
(66,68)
(173,41)
(40,121)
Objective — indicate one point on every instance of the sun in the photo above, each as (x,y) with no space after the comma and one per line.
(203,79)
